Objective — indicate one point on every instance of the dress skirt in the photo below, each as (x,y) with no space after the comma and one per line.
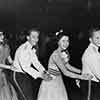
(7,91)
(53,90)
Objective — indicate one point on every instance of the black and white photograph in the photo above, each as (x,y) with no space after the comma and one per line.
(49,50)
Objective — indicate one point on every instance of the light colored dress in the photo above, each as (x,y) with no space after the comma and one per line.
(54,89)
(7,92)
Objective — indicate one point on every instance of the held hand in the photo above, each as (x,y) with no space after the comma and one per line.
(46,77)
(79,71)
(87,77)
(13,68)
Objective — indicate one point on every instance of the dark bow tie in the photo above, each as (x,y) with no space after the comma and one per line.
(64,50)
(34,47)
(1,43)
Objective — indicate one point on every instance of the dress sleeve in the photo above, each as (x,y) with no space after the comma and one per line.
(7,48)
(6,54)
(52,68)
(60,64)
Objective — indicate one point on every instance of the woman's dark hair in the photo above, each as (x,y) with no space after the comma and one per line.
(60,35)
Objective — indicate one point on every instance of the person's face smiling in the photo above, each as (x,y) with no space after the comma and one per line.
(96,38)
(64,42)
(33,38)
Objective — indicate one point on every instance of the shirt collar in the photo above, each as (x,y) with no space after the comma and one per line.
(28,44)
(94,46)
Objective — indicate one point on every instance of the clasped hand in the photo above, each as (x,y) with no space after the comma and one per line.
(87,76)
(46,76)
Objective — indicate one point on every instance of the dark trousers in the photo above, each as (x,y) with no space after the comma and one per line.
(29,86)
(95,90)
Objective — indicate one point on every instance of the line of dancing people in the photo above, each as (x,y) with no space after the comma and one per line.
(27,69)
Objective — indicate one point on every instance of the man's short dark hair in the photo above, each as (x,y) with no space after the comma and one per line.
(92,31)
(32,30)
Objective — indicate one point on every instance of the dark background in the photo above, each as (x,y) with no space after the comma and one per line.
(74,16)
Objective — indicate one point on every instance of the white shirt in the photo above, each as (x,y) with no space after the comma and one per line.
(91,62)
(25,56)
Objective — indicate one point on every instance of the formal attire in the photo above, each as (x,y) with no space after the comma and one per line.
(54,89)
(7,91)
(91,65)
(28,68)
